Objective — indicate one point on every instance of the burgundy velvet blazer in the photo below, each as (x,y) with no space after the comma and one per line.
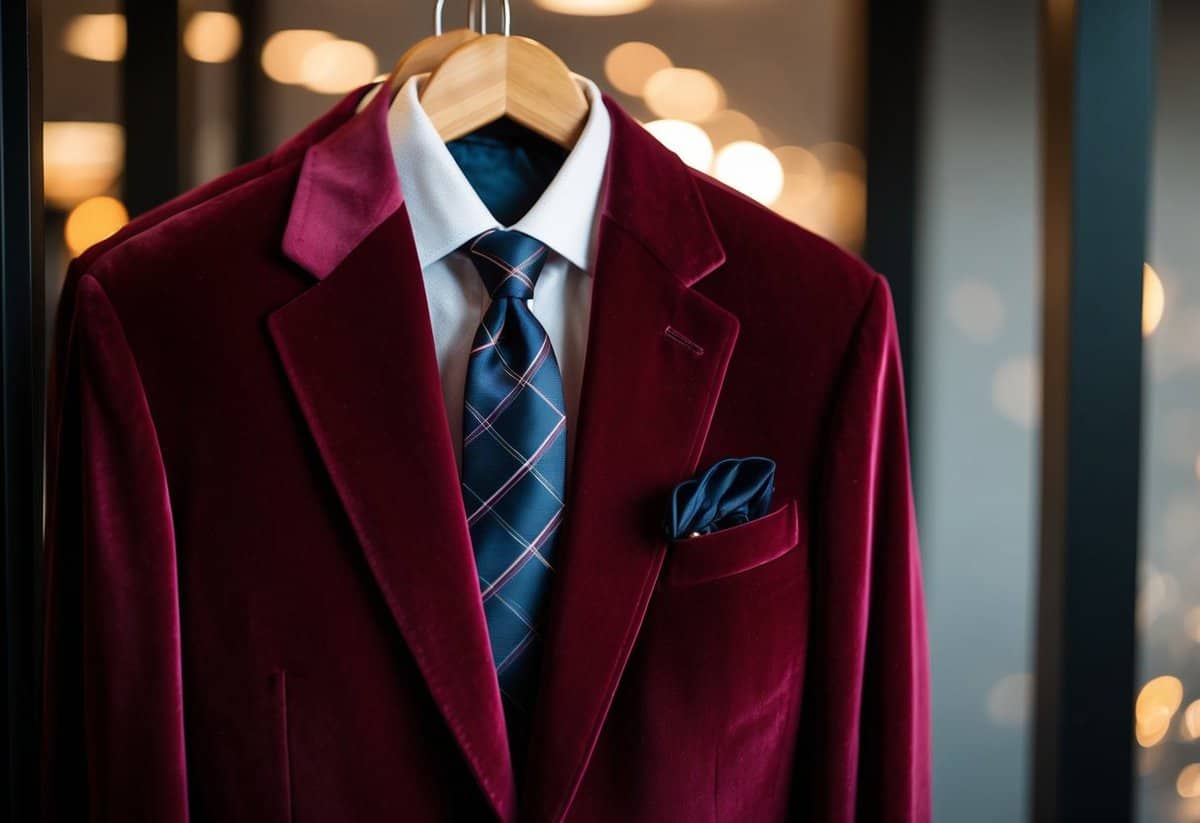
(262,602)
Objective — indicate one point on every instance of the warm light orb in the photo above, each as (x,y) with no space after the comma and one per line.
(1154,300)
(730,125)
(284,52)
(687,140)
(1188,783)
(1162,691)
(684,94)
(805,174)
(846,196)
(1152,728)
(92,221)
(630,65)
(338,66)
(99,37)
(80,160)
(595,8)
(1157,703)
(212,37)
(836,156)
(1191,721)
(752,169)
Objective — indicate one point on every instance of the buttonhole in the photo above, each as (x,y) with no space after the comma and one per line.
(677,336)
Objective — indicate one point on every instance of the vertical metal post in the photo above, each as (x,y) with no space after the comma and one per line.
(896,38)
(157,101)
(22,358)
(251,142)
(1097,60)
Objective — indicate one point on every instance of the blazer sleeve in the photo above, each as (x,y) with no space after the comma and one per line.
(864,751)
(113,731)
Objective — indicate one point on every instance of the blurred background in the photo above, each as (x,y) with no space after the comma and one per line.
(772,96)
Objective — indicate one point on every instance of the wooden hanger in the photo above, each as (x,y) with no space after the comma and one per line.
(496,76)
(427,54)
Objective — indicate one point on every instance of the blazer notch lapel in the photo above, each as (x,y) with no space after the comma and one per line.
(357,349)
(657,356)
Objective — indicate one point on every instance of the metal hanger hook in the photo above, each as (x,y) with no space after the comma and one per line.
(505,17)
(473,21)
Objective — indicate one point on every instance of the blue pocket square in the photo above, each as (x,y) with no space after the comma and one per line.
(732,492)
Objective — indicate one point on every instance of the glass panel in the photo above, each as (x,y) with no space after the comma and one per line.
(1168,706)
(977,399)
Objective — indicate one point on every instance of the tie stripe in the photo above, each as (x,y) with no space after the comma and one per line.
(514,464)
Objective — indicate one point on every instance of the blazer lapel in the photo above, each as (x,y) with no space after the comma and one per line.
(657,356)
(358,352)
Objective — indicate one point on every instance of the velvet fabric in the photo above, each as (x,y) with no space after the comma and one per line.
(262,599)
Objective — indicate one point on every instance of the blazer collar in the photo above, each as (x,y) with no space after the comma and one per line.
(348,186)
(346,189)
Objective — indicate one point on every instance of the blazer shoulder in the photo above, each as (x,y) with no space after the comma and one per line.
(175,205)
(781,263)
(208,235)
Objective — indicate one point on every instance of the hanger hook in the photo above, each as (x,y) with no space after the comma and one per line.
(505,17)
(439,11)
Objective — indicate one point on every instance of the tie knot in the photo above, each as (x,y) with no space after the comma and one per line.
(508,261)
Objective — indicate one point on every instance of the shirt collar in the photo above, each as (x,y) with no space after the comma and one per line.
(444,210)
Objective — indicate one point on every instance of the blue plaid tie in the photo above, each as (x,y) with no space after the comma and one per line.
(514,464)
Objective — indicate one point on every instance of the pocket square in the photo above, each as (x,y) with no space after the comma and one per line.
(731,492)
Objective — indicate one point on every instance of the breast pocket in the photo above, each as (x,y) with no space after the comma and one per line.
(728,552)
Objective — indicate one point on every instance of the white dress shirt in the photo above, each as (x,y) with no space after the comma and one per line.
(445,213)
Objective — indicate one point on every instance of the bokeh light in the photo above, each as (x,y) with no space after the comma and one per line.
(630,65)
(730,126)
(687,140)
(846,195)
(802,200)
(1157,703)
(684,94)
(752,169)
(94,220)
(977,310)
(803,170)
(1154,300)
(1188,782)
(1191,721)
(1016,391)
(1008,700)
(100,37)
(284,52)
(338,66)
(212,37)
(80,160)
(595,8)
(836,156)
